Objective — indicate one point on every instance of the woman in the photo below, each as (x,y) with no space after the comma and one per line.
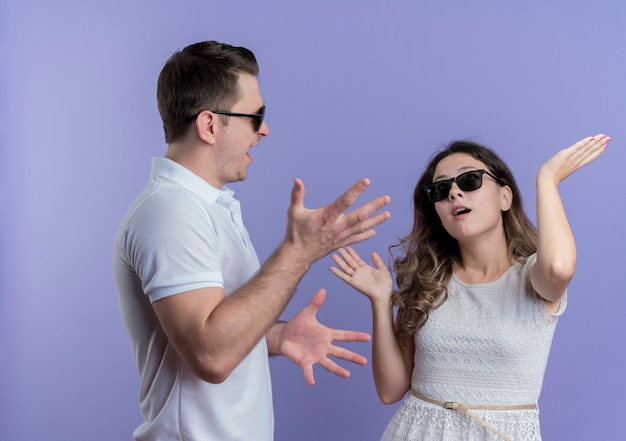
(479,292)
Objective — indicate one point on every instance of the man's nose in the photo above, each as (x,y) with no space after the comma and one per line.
(264,130)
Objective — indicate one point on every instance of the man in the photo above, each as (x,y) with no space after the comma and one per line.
(200,312)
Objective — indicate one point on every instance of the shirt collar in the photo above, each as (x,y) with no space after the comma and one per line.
(175,172)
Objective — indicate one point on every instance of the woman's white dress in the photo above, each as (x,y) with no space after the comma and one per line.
(487,344)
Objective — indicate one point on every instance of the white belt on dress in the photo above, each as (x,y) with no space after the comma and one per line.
(465,409)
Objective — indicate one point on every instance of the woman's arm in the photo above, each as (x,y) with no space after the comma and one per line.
(556,248)
(390,363)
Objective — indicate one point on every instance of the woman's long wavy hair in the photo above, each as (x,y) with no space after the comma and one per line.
(428,254)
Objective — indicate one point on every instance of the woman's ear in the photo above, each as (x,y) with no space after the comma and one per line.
(506,198)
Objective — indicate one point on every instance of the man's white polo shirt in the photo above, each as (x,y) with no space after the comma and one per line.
(182,234)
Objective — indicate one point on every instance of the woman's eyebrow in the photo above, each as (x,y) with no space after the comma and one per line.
(459,171)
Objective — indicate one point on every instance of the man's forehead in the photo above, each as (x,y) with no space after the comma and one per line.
(250,91)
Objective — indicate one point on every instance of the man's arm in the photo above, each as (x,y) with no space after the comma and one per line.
(213,332)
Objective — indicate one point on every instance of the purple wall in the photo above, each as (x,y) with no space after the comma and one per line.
(353,89)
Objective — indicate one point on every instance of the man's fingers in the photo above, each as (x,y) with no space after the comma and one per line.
(334,368)
(351,239)
(362,213)
(345,201)
(318,300)
(362,231)
(361,218)
(297,192)
(347,355)
(308,375)
(341,335)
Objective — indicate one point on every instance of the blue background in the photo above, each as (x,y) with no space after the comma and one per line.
(353,89)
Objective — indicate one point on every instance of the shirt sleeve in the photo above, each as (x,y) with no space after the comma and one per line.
(173,245)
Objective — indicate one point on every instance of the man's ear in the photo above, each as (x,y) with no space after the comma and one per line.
(206,126)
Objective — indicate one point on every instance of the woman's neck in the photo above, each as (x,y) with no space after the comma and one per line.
(484,261)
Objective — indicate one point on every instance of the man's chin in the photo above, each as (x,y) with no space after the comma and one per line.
(240,177)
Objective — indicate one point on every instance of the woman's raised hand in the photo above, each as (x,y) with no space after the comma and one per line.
(374,282)
(568,160)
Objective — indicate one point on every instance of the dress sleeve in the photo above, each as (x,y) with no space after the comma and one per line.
(562,306)
(530,262)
